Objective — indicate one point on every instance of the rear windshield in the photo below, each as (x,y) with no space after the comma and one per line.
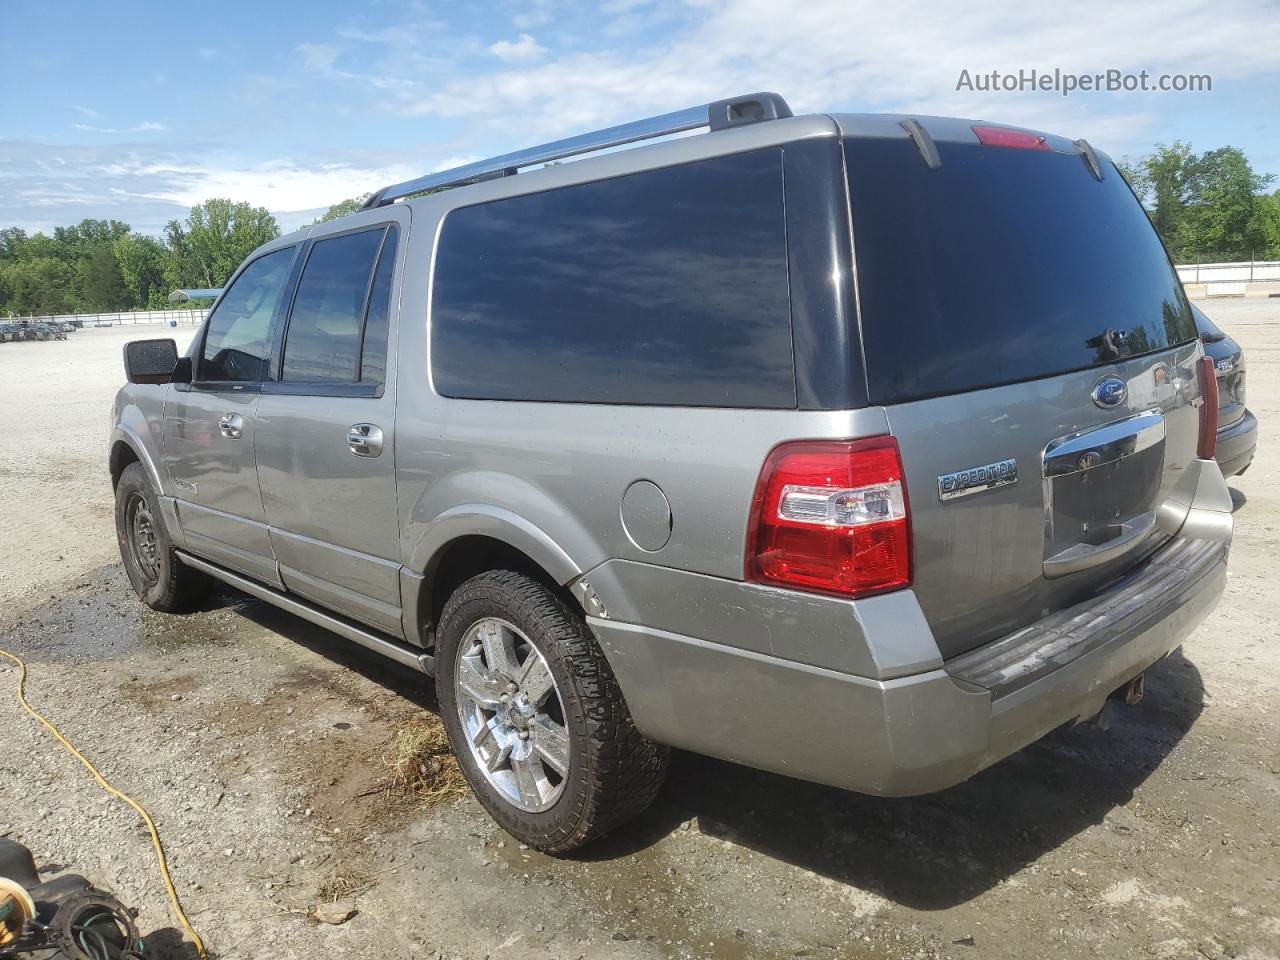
(1002,265)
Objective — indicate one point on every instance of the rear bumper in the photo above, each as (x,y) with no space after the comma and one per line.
(1236,444)
(926,730)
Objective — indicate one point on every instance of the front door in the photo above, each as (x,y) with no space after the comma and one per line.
(209,425)
(325,427)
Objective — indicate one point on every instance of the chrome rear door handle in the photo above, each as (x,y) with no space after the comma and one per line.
(365,440)
(231,425)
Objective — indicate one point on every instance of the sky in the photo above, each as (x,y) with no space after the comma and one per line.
(135,111)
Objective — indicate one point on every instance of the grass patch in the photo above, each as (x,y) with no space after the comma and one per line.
(341,886)
(420,764)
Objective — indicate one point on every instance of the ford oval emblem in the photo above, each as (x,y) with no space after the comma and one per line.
(1110,392)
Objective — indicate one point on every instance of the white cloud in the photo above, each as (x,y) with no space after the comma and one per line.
(317,57)
(43,185)
(277,185)
(614,7)
(320,59)
(145,126)
(521,49)
(491,97)
(824,54)
(533,13)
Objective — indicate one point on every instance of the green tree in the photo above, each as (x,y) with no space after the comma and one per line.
(101,284)
(217,236)
(142,262)
(1268,216)
(1206,206)
(352,204)
(41,286)
(78,242)
(1222,221)
(342,208)
(1163,182)
(41,245)
(13,243)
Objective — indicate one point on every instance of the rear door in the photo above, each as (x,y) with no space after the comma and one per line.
(326,427)
(209,424)
(1024,329)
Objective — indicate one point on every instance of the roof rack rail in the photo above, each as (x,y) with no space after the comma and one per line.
(718,115)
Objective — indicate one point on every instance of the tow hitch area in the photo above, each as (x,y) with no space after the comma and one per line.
(1130,693)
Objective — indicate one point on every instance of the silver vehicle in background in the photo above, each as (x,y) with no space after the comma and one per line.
(864,449)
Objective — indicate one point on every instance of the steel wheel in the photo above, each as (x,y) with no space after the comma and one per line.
(143,544)
(512,714)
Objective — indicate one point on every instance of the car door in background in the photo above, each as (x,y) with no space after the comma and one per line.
(326,460)
(209,424)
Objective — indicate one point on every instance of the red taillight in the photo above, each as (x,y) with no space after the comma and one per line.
(831,516)
(1207,445)
(999,137)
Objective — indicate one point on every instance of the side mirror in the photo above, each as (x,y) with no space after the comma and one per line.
(150,361)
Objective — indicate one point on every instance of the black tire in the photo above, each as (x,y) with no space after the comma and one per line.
(161,580)
(614,773)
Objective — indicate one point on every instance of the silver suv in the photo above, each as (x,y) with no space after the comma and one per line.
(863,449)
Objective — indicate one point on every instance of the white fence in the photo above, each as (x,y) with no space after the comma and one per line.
(1228,279)
(186,318)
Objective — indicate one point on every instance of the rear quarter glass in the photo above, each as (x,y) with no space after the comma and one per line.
(1001,266)
(667,287)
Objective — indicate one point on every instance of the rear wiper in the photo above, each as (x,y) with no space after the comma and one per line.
(1090,158)
(924,143)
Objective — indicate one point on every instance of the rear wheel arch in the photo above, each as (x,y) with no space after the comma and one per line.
(465,556)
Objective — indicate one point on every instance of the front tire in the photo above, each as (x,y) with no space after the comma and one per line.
(535,715)
(161,580)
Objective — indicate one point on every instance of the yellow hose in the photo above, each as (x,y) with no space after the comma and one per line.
(102,782)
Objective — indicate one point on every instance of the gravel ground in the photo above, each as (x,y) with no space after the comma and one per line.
(258,743)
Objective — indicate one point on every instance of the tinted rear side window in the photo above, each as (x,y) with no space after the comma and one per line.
(1001,266)
(373,353)
(666,287)
(327,320)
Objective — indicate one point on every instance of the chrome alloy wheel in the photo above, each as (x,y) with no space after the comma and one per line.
(143,544)
(512,714)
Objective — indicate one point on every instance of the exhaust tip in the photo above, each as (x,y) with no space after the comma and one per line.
(1132,691)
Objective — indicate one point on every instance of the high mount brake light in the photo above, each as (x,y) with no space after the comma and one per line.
(1000,137)
(1207,443)
(833,517)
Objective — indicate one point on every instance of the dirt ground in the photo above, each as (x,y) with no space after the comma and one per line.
(258,743)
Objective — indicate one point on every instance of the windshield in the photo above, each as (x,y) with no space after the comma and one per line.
(1000,266)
